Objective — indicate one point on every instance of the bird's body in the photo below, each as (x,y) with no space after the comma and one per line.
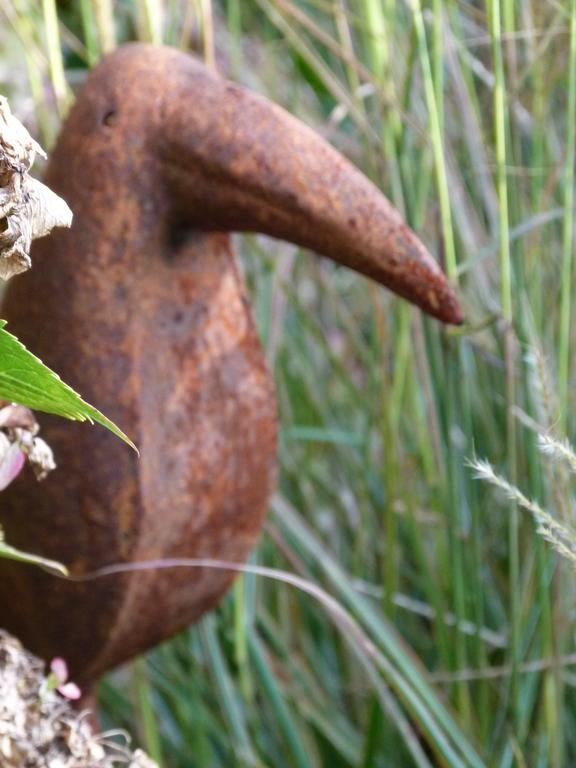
(142,308)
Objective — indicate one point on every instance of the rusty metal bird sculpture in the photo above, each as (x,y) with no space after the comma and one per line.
(142,308)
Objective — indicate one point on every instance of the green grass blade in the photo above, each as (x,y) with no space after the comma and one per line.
(278,707)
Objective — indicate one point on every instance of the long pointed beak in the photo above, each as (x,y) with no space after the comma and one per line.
(239,162)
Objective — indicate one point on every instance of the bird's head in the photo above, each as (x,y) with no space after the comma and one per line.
(205,154)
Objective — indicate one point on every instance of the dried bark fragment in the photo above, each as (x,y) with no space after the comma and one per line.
(28,209)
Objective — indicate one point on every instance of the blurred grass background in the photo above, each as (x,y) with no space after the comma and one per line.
(462,650)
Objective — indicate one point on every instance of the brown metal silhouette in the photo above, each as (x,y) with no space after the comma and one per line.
(142,308)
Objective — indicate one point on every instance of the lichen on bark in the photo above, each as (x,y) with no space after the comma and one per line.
(38,727)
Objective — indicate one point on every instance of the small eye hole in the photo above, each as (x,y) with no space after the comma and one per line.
(109,118)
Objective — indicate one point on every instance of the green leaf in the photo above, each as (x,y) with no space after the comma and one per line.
(24,379)
(25,557)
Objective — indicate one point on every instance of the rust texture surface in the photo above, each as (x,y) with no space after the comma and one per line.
(142,308)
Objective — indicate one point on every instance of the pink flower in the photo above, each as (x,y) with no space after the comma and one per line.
(11,464)
(58,680)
